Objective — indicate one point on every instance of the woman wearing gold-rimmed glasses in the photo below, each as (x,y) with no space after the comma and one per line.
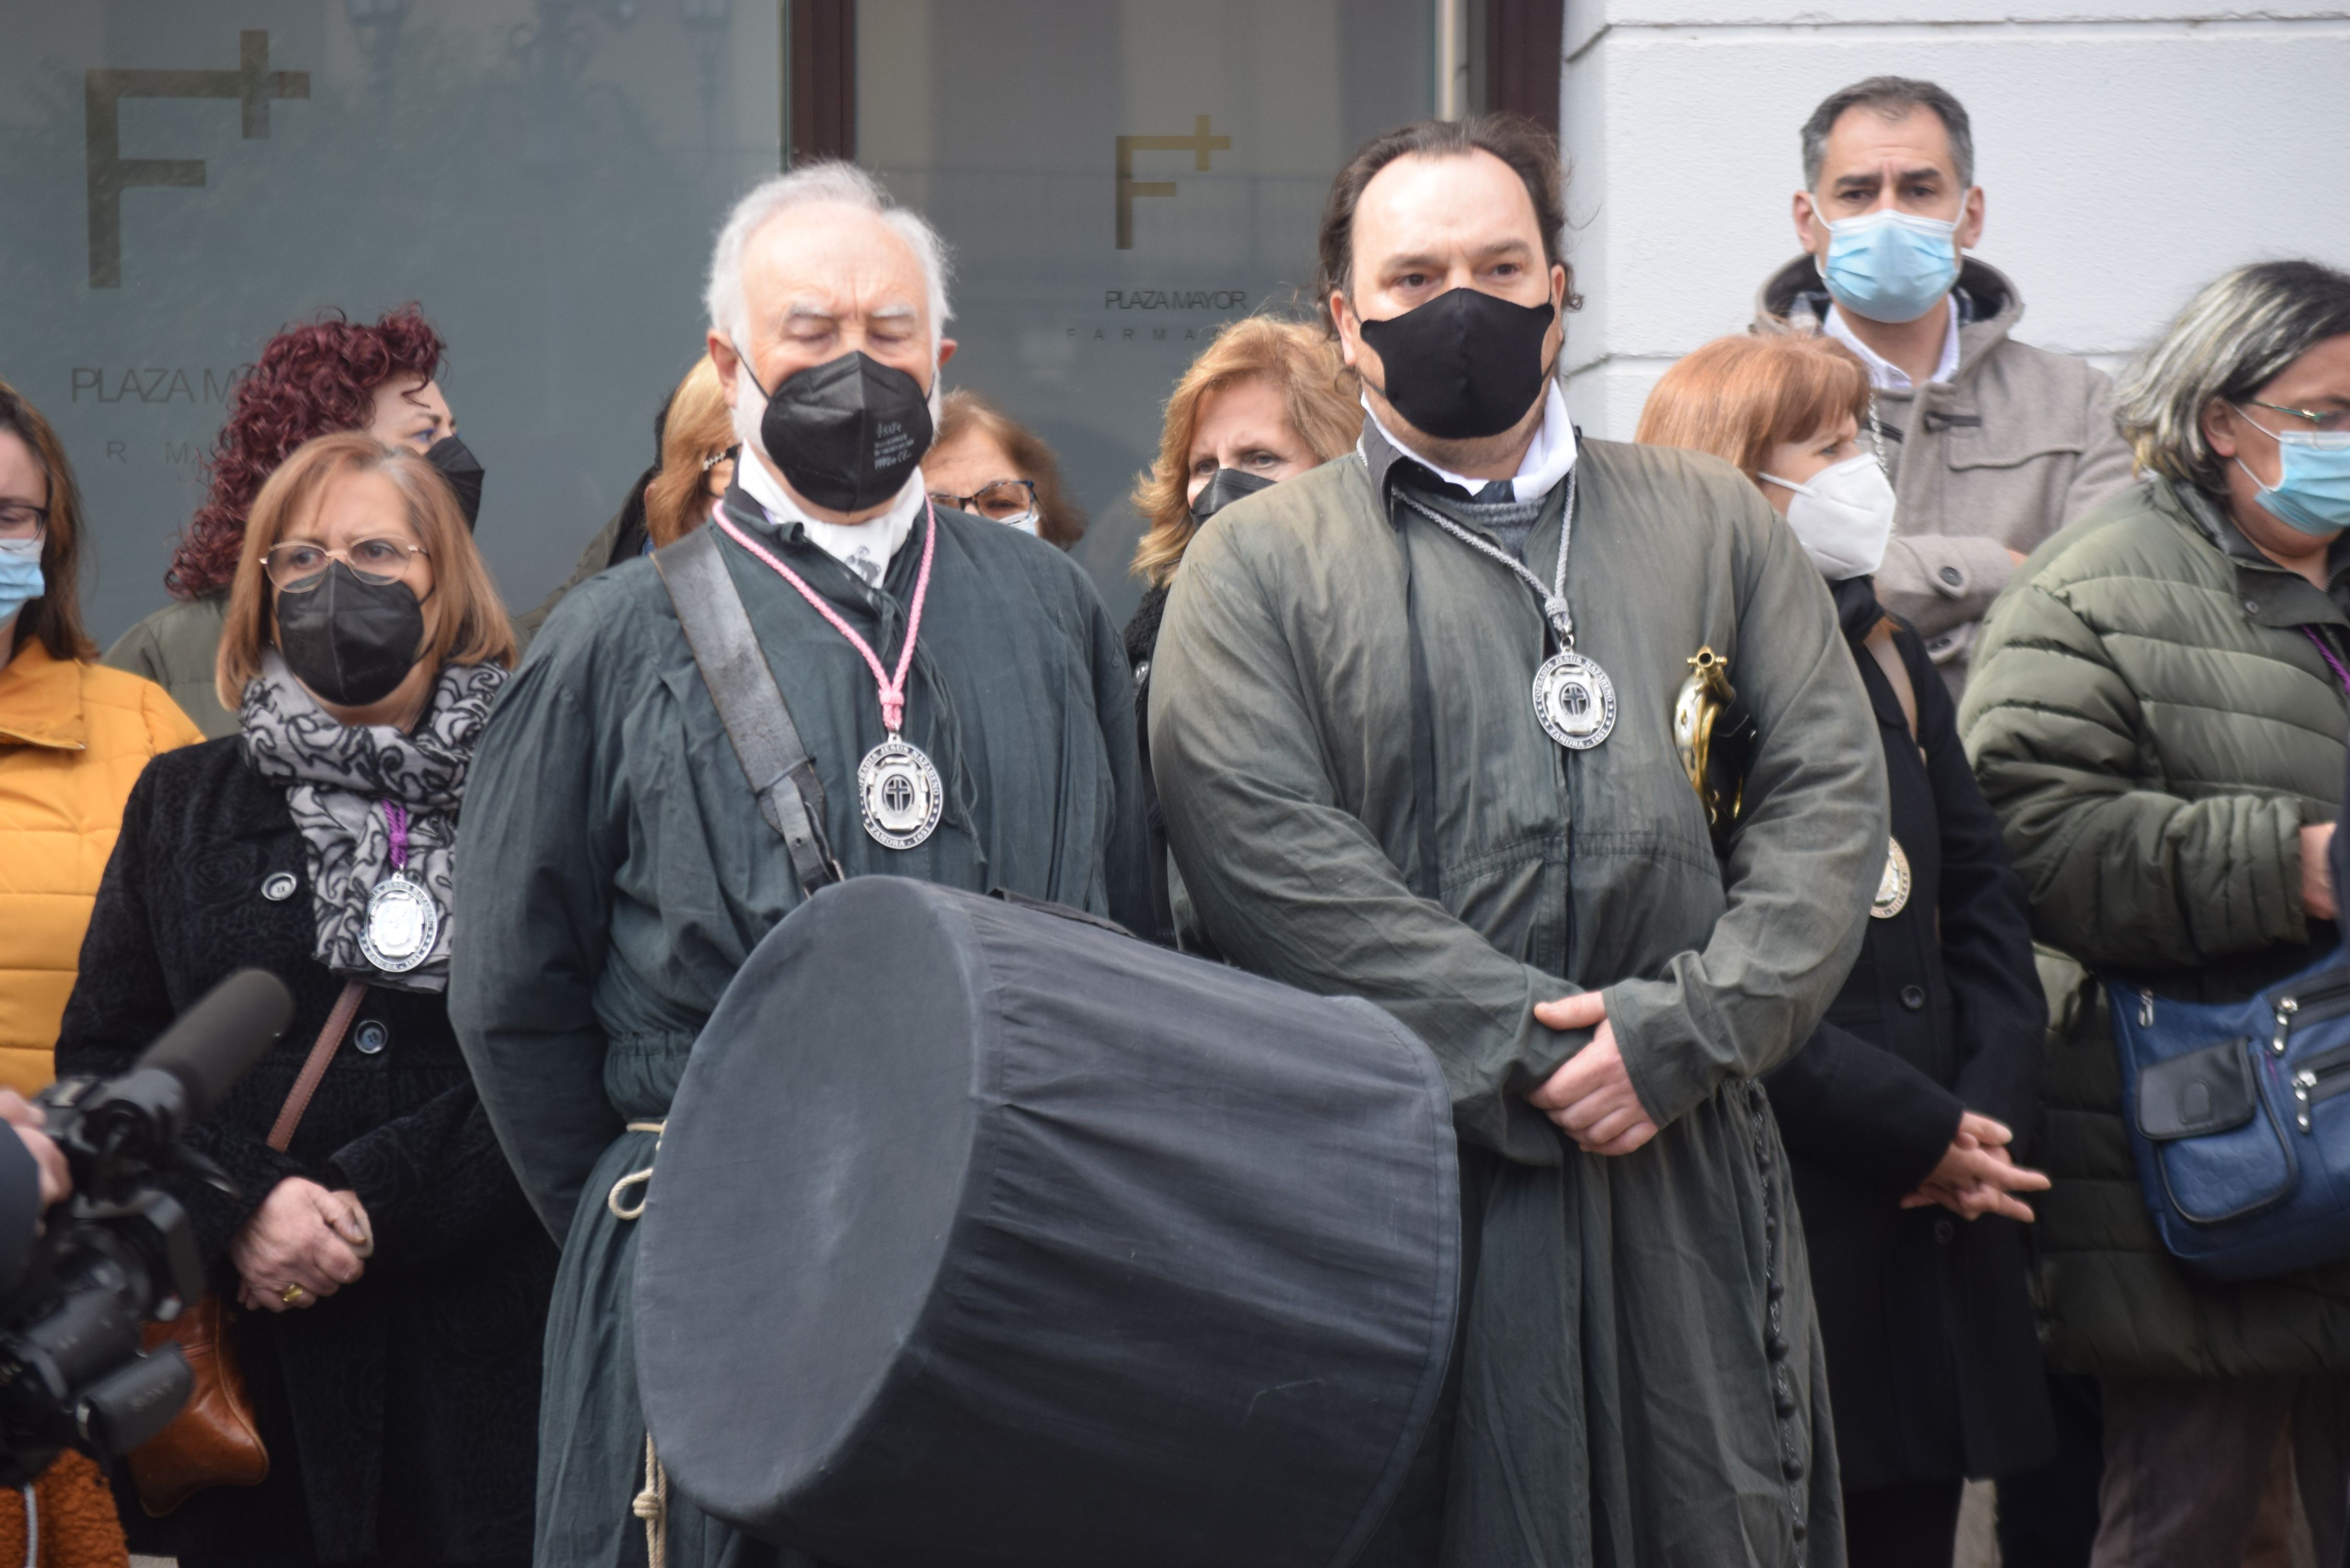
(392,1280)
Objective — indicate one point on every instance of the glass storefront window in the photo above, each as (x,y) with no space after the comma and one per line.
(181,178)
(1118,178)
(178,179)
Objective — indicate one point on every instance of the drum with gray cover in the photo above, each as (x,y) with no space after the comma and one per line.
(985,1234)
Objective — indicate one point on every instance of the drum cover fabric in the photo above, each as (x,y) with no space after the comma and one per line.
(984,1233)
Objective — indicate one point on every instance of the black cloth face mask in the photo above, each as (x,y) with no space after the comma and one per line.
(1464,365)
(846,432)
(456,463)
(351,641)
(1225,486)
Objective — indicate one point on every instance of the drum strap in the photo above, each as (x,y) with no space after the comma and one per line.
(751,705)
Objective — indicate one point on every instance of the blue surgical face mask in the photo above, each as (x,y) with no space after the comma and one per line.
(2312,488)
(1890,266)
(20,575)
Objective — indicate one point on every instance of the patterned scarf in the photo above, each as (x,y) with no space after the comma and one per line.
(338,777)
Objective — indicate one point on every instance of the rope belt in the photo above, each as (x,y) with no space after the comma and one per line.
(612,1199)
(652,1505)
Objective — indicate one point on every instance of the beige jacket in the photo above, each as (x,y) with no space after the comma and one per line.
(2018,443)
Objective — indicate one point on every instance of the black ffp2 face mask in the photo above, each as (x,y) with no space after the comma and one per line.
(455,462)
(351,641)
(1225,486)
(1466,363)
(848,432)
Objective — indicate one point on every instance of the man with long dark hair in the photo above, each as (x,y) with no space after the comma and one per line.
(1412,718)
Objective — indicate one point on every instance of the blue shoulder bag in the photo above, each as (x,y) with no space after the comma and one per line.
(2239,1116)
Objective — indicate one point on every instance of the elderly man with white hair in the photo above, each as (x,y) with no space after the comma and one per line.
(967,718)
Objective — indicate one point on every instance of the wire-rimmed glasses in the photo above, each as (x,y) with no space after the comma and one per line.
(2336,422)
(300,565)
(1001,500)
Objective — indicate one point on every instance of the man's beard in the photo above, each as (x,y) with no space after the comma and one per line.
(1459,456)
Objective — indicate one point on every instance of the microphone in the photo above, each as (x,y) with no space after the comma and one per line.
(211,1045)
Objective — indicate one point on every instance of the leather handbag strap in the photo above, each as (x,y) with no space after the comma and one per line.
(305,1083)
(750,704)
(1897,671)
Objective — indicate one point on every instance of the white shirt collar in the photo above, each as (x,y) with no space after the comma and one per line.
(1885,375)
(1546,462)
(865,548)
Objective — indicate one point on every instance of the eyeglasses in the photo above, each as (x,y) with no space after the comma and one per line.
(299,566)
(1002,500)
(2332,423)
(21,521)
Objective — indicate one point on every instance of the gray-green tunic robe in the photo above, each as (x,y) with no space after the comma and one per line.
(613,872)
(1618,1399)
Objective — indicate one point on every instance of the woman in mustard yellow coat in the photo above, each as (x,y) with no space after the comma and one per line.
(73,738)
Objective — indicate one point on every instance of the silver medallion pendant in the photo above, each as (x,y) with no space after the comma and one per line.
(900,793)
(1893,887)
(1574,701)
(402,924)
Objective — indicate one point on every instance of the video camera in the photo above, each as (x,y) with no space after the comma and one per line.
(120,1252)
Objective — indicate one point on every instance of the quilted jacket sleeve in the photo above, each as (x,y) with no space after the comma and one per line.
(2119,872)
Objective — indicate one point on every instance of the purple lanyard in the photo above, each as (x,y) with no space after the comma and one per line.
(395,823)
(2328,654)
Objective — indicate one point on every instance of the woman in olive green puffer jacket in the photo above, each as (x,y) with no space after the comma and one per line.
(2153,748)
(2154,720)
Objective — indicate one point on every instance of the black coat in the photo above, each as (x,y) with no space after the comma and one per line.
(401,1413)
(1934,1368)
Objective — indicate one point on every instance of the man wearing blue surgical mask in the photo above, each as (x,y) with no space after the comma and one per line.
(1993,445)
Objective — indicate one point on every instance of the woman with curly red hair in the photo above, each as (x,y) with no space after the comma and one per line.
(327,375)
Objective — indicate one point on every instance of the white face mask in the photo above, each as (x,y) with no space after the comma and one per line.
(1025,522)
(1843,517)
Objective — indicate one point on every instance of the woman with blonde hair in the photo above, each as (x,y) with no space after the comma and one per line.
(697,457)
(1901,1111)
(393,1281)
(1265,402)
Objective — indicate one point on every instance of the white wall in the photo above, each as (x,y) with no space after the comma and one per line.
(2127,153)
